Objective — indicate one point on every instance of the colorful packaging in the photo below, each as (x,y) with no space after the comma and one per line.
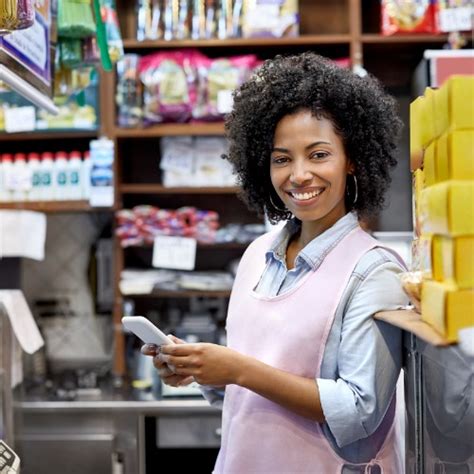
(217,79)
(270,18)
(454,15)
(169,80)
(408,16)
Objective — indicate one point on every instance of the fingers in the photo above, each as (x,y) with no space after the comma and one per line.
(177,380)
(176,340)
(181,349)
(149,349)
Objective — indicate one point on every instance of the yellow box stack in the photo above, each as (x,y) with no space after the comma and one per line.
(442,161)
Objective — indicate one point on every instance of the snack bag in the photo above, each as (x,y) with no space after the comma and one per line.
(169,80)
(408,16)
(217,79)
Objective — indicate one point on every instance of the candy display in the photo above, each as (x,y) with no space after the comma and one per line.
(141,224)
(16,15)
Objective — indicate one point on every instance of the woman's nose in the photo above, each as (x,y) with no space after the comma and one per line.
(300,173)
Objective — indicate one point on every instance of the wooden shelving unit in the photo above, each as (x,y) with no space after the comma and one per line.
(171,129)
(200,245)
(409,39)
(48,135)
(53,206)
(160,189)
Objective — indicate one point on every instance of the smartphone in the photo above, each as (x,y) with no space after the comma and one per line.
(145,330)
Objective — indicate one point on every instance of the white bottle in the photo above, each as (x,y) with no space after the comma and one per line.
(61,171)
(86,176)
(7,171)
(102,173)
(21,178)
(48,177)
(74,175)
(34,165)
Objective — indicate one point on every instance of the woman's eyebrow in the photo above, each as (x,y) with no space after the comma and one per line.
(320,142)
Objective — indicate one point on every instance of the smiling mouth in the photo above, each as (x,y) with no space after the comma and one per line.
(298,196)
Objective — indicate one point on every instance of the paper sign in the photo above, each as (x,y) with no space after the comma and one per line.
(19,119)
(225,101)
(456,19)
(178,253)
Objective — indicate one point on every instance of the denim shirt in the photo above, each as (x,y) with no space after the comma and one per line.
(362,357)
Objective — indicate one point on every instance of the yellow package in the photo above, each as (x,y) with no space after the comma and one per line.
(425,253)
(448,208)
(422,128)
(447,308)
(429,163)
(454,105)
(453,259)
(454,156)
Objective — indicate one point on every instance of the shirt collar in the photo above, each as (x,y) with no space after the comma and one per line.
(316,250)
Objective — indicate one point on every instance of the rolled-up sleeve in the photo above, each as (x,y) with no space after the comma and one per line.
(214,396)
(369,359)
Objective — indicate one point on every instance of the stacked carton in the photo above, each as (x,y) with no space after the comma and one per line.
(442,161)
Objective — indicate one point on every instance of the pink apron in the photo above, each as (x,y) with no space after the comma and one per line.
(289,332)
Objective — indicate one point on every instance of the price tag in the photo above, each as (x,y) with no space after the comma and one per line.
(19,119)
(225,101)
(178,253)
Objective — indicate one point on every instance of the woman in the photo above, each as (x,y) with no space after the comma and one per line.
(308,378)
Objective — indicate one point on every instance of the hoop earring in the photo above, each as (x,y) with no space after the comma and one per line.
(275,206)
(356,189)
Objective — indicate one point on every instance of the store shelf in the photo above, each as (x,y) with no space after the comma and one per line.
(180,294)
(421,38)
(411,321)
(216,128)
(236,42)
(159,189)
(53,135)
(53,206)
(200,245)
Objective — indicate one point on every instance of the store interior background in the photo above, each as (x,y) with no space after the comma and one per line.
(79,278)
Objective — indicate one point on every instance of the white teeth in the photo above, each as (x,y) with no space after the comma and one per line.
(306,196)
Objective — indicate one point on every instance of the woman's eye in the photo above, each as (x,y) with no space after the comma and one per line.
(319,155)
(279,160)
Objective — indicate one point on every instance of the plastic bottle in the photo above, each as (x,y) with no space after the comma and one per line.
(86,176)
(34,166)
(61,171)
(74,175)
(102,173)
(48,177)
(21,178)
(7,171)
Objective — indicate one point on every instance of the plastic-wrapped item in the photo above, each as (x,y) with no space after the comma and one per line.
(198,21)
(26,14)
(455,15)
(217,79)
(412,283)
(408,16)
(71,52)
(169,80)
(129,92)
(75,19)
(270,18)
(90,51)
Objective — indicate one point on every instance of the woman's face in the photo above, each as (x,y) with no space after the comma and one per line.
(308,168)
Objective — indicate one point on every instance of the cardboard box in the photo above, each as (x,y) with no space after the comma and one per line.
(448,208)
(454,105)
(429,163)
(447,308)
(453,259)
(454,156)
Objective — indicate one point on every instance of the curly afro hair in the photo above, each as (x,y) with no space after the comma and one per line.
(363,115)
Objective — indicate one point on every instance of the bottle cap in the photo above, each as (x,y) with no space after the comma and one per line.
(19,157)
(61,155)
(7,157)
(75,155)
(47,155)
(33,156)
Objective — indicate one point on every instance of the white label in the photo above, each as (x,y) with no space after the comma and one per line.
(225,101)
(178,253)
(20,119)
(178,156)
(32,43)
(456,19)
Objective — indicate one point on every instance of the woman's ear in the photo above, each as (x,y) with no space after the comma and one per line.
(350,168)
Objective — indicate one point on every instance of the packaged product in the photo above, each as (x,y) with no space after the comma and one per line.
(169,80)
(270,18)
(455,15)
(408,16)
(217,79)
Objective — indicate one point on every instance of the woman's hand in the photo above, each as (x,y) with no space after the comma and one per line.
(166,374)
(208,364)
